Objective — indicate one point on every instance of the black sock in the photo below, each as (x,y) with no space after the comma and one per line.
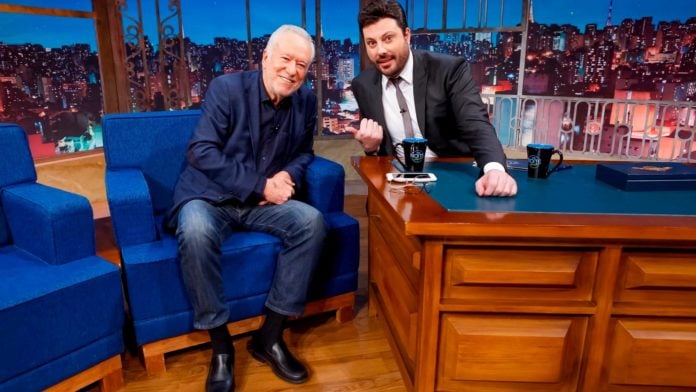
(272,329)
(221,340)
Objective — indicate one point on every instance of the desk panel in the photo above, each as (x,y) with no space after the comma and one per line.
(573,285)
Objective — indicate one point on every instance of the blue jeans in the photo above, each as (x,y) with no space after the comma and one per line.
(201,229)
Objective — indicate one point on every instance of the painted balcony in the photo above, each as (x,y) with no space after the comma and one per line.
(597,128)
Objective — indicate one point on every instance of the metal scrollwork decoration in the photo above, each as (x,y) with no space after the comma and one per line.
(173,73)
(137,59)
(157,79)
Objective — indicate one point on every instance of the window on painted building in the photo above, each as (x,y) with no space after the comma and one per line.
(606,50)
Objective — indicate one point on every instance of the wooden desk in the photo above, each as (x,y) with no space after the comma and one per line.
(498,299)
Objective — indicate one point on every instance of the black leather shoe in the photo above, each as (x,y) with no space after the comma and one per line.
(220,374)
(281,360)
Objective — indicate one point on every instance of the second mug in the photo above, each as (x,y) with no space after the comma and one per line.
(414,153)
(539,160)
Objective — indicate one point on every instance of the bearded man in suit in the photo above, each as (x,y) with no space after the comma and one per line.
(411,93)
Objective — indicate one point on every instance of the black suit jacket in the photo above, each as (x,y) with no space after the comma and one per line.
(449,109)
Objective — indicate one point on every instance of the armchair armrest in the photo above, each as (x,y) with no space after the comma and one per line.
(51,224)
(130,206)
(324,185)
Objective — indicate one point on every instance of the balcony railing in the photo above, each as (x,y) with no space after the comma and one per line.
(597,128)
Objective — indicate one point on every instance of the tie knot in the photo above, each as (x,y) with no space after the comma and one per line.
(395,80)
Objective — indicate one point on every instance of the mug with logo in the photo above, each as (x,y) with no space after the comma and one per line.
(539,160)
(414,153)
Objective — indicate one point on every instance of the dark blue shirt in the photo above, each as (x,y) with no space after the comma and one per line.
(275,124)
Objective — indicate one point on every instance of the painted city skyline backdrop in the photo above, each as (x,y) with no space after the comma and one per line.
(338,18)
(52,86)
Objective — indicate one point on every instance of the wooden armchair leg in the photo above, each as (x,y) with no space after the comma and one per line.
(154,363)
(371,303)
(108,373)
(344,314)
(112,381)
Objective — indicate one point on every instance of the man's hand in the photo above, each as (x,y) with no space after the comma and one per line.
(279,189)
(369,135)
(496,183)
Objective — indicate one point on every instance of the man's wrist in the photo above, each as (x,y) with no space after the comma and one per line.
(493,166)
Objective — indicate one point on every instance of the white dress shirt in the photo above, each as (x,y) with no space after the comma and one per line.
(392,111)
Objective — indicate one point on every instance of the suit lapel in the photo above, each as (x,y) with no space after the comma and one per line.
(297,119)
(377,98)
(420,81)
(253,103)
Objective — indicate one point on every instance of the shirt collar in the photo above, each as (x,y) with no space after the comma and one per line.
(406,73)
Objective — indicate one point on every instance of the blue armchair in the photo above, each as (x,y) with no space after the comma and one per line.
(145,152)
(61,307)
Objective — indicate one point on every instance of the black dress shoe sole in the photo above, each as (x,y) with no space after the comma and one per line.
(215,388)
(259,357)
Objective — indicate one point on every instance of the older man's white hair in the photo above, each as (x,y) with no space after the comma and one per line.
(288,28)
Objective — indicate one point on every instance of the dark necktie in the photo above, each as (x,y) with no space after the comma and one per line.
(403,107)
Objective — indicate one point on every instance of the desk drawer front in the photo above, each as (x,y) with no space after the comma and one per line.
(510,353)
(519,274)
(652,353)
(657,278)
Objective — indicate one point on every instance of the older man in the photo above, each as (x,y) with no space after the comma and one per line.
(248,154)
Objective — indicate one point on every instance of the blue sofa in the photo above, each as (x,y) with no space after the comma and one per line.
(61,307)
(145,152)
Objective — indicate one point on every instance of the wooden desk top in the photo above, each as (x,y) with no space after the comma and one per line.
(421,214)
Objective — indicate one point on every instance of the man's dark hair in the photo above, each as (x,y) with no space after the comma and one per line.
(380,9)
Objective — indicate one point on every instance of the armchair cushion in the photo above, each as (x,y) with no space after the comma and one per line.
(61,306)
(48,312)
(54,225)
(324,184)
(5,237)
(16,167)
(155,144)
(145,152)
(132,214)
(341,248)
(160,306)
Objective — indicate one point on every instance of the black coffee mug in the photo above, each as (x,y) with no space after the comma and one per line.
(539,160)
(414,153)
